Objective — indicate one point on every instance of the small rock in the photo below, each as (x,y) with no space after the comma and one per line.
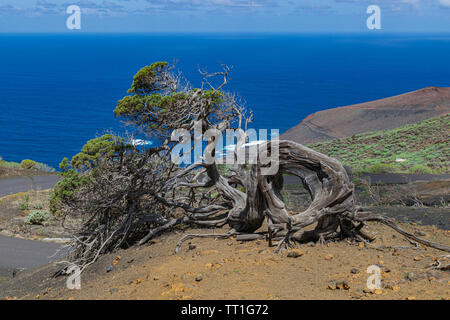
(417,259)
(199,278)
(378,291)
(354,271)
(410,276)
(433,275)
(342,285)
(328,257)
(230,243)
(130,261)
(113,290)
(109,269)
(391,286)
(332,285)
(421,233)
(192,246)
(295,253)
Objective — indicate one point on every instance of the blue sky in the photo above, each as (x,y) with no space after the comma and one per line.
(225,15)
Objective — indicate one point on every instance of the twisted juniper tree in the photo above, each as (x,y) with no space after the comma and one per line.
(128,195)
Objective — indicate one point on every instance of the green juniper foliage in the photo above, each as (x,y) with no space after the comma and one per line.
(154,102)
(99,149)
(156,105)
(73,173)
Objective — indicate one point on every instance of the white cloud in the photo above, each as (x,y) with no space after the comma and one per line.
(445,3)
(52,7)
(413,2)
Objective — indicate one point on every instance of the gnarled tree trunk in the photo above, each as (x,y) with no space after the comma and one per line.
(332,193)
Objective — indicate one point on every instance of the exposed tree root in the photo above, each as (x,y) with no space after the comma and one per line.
(438,265)
(213,235)
(369,216)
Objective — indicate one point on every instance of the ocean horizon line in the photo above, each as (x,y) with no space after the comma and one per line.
(365,33)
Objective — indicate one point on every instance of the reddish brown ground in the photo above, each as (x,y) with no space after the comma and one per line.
(226,269)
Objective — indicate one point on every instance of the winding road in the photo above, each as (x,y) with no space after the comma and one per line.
(18,254)
(15,253)
(15,185)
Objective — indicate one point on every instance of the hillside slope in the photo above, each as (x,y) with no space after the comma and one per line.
(406,149)
(229,270)
(384,114)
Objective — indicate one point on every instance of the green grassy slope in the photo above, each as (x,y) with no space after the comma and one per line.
(425,146)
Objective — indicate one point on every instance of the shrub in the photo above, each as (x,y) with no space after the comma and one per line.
(24,204)
(9,165)
(37,217)
(65,188)
(75,173)
(97,150)
(420,169)
(38,206)
(28,164)
(382,168)
(43,167)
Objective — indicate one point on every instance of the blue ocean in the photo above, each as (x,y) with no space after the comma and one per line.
(58,90)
